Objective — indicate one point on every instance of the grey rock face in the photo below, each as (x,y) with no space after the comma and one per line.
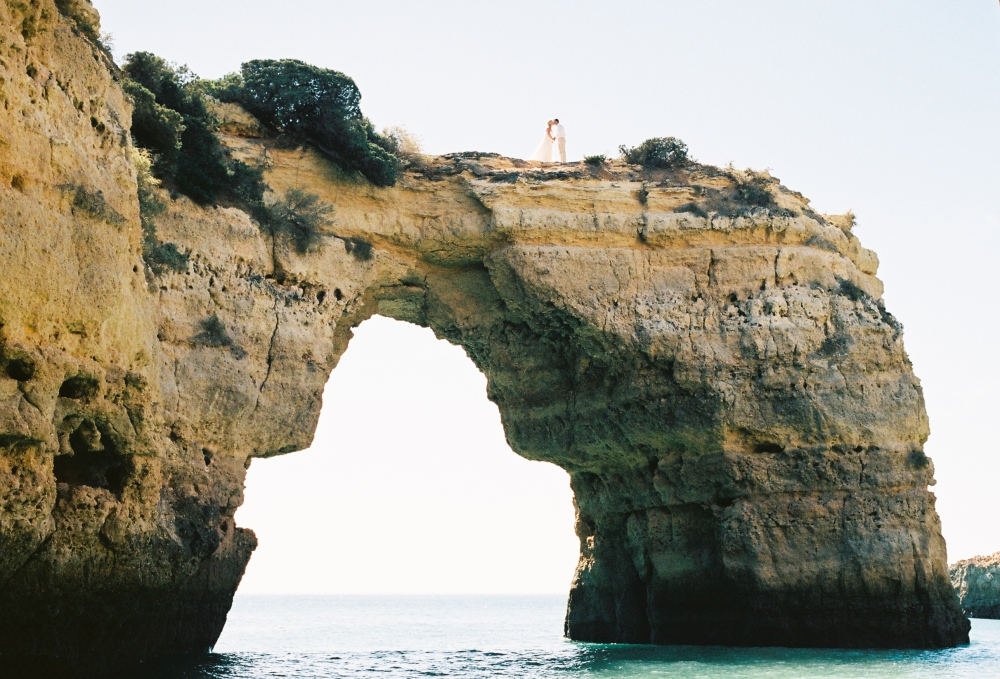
(977,583)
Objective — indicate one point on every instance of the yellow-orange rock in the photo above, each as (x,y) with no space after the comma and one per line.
(732,400)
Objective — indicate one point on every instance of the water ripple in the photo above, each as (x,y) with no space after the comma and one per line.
(586,660)
(499,637)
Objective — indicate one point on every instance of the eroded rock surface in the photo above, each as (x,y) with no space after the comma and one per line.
(733,402)
(977,583)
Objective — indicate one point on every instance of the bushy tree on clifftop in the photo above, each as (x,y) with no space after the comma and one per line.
(316,105)
(662,152)
(171,120)
(155,128)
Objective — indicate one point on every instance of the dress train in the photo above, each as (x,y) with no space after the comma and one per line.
(544,150)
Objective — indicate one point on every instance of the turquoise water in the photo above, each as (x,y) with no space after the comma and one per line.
(514,636)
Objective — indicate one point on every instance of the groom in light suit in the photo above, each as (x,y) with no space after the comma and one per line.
(560,133)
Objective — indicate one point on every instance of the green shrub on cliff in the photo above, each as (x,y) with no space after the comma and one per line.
(661,152)
(172,121)
(228,88)
(750,192)
(359,248)
(302,217)
(167,83)
(752,187)
(246,183)
(163,257)
(314,105)
(202,171)
(154,127)
(83,15)
(306,103)
(159,257)
(93,204)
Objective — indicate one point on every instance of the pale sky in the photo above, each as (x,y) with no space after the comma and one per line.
(886,107)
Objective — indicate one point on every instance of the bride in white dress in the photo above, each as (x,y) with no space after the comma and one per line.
(544,150)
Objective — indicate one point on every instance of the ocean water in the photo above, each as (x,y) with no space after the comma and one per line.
(476,637)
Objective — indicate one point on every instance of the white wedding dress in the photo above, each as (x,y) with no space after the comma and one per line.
(544,150)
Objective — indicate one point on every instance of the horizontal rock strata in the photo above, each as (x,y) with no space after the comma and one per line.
(731,398)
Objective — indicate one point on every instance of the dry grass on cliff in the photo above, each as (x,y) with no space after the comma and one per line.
(407,145)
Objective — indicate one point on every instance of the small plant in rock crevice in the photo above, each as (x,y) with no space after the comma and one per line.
(694,209)
(752,187)
(93,204)
(594,160)
(359,248)
(303,218)
(300,216)
(213,334)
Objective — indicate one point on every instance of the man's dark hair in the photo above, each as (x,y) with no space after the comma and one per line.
(556,119)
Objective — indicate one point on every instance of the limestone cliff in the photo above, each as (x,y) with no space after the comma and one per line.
(977,583)
(733,402)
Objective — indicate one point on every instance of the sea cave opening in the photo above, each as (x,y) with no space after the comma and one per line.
(409,490)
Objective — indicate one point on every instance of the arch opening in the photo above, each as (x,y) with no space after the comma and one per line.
(409,486)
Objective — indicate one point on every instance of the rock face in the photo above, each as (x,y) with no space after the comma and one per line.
(977,583)
(113,547)
(733,402)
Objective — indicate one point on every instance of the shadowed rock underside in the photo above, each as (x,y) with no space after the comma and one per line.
(734,405)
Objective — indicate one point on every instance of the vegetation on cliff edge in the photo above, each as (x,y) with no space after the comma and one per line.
(317,106)
(659,152)
(751,191)
(159,257)
(171,121)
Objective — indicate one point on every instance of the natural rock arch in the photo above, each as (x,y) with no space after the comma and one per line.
(408,486)
(731,398)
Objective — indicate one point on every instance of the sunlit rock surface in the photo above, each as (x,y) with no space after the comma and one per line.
(977,583)
(733,402)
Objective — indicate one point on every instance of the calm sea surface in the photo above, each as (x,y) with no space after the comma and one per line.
(513,636)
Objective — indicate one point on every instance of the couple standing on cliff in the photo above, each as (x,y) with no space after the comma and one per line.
(555,135)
